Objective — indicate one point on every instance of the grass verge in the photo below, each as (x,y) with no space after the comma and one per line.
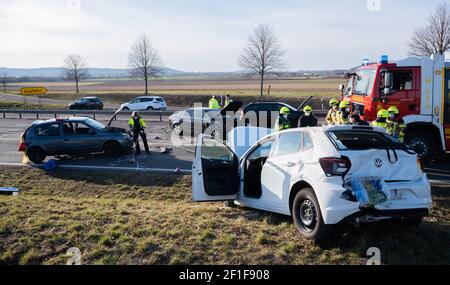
(19,105)
(150,219)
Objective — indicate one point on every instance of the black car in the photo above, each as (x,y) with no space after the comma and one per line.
(87,103)
(271,110)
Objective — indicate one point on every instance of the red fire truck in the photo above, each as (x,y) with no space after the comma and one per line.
(418,86)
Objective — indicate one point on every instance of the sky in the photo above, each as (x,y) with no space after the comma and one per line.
(207,35)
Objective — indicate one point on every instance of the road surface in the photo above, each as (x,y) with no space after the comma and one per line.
(181,157)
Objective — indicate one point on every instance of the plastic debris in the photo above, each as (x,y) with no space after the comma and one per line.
(166,150)
(9,191)
(50,165)
(156,138)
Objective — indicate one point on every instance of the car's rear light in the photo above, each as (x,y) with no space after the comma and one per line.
(22,147)
(333,166)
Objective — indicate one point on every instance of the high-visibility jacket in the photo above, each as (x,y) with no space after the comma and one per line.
(282,124)
(396,129)
(332,117)
(214,104)
(142,124)
(228,101)
(379,123)
(342,118)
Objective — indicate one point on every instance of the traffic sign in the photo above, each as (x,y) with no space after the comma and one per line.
(33,90)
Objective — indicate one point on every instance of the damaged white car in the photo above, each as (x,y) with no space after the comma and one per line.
(320,176)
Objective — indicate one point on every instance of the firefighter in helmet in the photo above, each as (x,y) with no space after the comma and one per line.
(308,119)
(395,125)
(381,120)
(331,116)
(283,122)
(343,114)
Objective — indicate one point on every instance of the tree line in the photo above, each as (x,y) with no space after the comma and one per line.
(263,54)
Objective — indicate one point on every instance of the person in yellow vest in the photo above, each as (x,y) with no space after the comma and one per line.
(213,103)
(343,115)
(381,120)
(331,116)
(228,100)
(283,122)
(395,125)
(137,126)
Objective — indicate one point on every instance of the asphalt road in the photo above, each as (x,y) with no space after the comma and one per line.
(159,137)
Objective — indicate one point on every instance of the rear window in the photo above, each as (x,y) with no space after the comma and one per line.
(359,140)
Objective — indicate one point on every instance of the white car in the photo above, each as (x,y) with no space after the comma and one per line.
(320,176)
(148,103)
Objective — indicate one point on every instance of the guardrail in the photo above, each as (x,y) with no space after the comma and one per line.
(94,113)
(90,113)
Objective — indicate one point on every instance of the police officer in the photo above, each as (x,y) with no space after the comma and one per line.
(381,120)
(228,100)
(308,119)
(395,125)
(137,126)
(331,116)
(282,122)
(342,116)
(213,103)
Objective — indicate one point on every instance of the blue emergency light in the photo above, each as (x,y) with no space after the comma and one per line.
(384,59)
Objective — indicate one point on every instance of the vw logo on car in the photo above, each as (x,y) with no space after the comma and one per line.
(378,162)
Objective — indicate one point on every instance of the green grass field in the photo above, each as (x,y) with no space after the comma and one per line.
(150,219)
(19,105)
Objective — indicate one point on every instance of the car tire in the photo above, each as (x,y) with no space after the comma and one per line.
(307,216)
(150,108)
(126,109)
(177,130)
(36,155)
(423,144)
(112,148)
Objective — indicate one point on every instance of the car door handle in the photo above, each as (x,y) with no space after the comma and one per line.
(291,164)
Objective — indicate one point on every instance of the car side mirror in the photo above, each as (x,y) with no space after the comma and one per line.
(388,82)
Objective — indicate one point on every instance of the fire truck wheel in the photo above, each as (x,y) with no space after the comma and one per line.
(423,144)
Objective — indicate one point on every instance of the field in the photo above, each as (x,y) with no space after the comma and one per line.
(184,92)
(150,219)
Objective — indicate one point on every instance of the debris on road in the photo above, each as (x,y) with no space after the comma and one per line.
(166,150)
(9,191)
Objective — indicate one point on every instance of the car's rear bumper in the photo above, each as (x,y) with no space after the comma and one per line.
(374,213)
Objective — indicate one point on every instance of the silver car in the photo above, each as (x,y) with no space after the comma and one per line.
(76,135)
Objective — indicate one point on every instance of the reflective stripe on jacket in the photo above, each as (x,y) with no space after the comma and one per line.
(395,129)
(214,104)
(342,118)
(332,117)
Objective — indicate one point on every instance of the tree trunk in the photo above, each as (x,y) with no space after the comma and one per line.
(262,85)
(4,88)
(146,84)
(76,83)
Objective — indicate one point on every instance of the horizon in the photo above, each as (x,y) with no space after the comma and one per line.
(212,33)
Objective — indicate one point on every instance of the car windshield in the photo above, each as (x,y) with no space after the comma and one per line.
(94,124)
(362,140)
(364,81)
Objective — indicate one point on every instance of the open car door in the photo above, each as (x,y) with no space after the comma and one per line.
(215,171)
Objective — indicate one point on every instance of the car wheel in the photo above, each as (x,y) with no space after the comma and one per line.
(112,148)
(177,130)
(126,109)
(36,155)
(422,144)
(150,108)
(308,217)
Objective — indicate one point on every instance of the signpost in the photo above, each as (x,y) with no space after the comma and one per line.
(33,91)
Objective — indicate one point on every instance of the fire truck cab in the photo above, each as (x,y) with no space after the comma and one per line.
(418,86)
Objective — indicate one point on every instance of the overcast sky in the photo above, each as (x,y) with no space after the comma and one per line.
(206,35)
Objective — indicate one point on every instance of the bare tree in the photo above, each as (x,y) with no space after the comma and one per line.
(75,69)
(4,81)
(434,38)
(263,54)
(144,59)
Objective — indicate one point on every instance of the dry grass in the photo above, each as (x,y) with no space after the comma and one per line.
(148,219)
(18,105)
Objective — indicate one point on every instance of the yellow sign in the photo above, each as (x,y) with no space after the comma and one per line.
(33,91)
